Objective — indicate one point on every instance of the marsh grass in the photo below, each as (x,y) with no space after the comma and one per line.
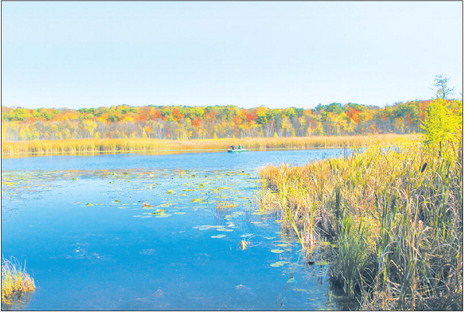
(394,215)
(16,284)
(100,146)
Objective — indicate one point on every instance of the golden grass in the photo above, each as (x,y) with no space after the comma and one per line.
(395,217)
(15,282)
(158,146)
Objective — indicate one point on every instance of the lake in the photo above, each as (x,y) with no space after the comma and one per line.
(148,232)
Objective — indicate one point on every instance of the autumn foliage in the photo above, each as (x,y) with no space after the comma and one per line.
(184,122)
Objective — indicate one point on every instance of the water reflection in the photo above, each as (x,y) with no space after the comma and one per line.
(18,303)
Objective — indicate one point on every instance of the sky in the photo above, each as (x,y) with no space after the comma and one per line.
(277,54)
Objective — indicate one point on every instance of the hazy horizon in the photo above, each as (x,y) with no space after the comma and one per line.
(242,107)
(275,54)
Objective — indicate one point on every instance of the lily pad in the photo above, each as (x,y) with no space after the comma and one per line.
(247,235)
(203,227)
(278,264)
(164,215)
(165,205)
(218,236)
(198,200)
(321,263)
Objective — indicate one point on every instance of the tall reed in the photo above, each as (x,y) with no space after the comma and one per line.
(16,283)
(394,215)
(97,146)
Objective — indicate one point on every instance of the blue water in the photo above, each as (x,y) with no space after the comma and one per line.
(140,232)
(207,161)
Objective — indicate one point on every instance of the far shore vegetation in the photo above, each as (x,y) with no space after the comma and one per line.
(158,146)
(212,122)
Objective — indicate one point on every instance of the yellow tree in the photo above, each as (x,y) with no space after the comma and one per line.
(442,124)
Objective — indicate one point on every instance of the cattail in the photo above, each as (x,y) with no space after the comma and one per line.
(423,167)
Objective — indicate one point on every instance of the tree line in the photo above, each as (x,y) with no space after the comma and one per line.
(197,122)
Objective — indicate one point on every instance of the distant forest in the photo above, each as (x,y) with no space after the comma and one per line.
(185,122)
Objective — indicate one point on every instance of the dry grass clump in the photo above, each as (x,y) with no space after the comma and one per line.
(395,217)
(98,146)
(15,283)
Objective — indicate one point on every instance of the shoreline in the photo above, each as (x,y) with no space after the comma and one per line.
(166,147)
(373,213)
(155,153)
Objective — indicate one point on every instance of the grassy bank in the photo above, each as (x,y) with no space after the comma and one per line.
(16,284)
(394,220)
(96,146)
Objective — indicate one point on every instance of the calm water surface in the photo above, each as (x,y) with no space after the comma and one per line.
(139,232)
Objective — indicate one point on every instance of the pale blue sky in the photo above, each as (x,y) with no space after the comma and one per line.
(278,54)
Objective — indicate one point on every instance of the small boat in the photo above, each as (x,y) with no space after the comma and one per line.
(237,150)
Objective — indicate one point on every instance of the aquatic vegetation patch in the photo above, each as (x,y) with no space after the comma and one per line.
(204,227)
(225,205)
(16,283)
(278,264)
(166,204)
(163,215)
(243,244)
(158,212)
(291,280)
(247,235)
(218,236)
(198,200)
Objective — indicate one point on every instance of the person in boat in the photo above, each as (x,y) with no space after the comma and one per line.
(233,147)
(239,147)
